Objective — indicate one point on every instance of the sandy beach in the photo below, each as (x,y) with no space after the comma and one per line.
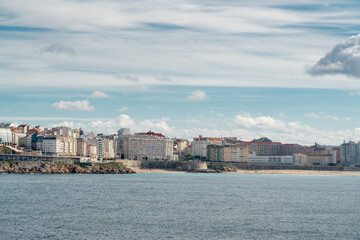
(299,172)
(286,172)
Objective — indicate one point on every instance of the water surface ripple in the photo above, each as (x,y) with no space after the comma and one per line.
(179,206)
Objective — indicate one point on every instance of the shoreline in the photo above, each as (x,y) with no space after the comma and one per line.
(280,172)
(138,170)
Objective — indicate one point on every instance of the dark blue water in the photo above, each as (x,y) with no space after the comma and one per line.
(179,206)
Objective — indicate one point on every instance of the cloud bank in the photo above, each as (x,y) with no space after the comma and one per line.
(76,105)
(245,127)
(344,58)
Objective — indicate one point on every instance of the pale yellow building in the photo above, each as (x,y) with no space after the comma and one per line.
(234,153)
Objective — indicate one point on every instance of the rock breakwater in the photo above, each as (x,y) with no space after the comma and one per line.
(63,168)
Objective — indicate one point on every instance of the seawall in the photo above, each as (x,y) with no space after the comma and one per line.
(62,168)
(167,165)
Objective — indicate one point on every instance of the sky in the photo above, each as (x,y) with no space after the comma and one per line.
(286,70)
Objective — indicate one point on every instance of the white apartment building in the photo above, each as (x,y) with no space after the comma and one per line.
(199,145)
(52,146)
(285,160)
(300,159)
(147,147)
(60,146)
(109,146)
(69,146)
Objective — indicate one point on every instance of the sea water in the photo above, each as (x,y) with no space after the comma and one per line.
(179,206)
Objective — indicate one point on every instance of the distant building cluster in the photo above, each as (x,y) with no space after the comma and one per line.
(63,141)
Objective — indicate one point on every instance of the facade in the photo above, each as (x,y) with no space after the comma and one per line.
(300,159)
(320,159)
(283,160)
(350,154)
(228,153)
(25,142)
(233,153)
(180,144)
(199,145)
(109,146)
(147,146)
(91,150)
(6,136)
(81,147)
(52,146)
(290,149)
(263,148)
(215,153)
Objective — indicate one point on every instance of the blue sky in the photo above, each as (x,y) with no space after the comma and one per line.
(287,70)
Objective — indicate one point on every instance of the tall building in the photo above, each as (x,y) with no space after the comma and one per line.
(69,146)
(109,146)
(199,145)
(227,153)
(263,148)
(81,147)
(235,153)
(147,146)
(350,154)
(123,131)
(215,153)
(91,150)
(52,146)
(6,135)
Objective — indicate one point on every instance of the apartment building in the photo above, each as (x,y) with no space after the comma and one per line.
(283,160)
(199,145)
(147,146)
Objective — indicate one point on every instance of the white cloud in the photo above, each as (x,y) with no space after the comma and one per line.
(197,95)
(123,109)
(289,132)
(321,116)
(344,58)
(76,105)
(169,32)
(112,125)
(245,120)
(245,127)
(98,94)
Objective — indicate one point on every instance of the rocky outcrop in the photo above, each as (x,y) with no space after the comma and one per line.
(63,168)
(174,165)
(219,168)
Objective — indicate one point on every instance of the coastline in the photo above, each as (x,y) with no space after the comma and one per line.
(299,172)
(281,172)
(138,170)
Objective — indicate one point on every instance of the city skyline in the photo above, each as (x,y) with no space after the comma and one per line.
(184,68)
